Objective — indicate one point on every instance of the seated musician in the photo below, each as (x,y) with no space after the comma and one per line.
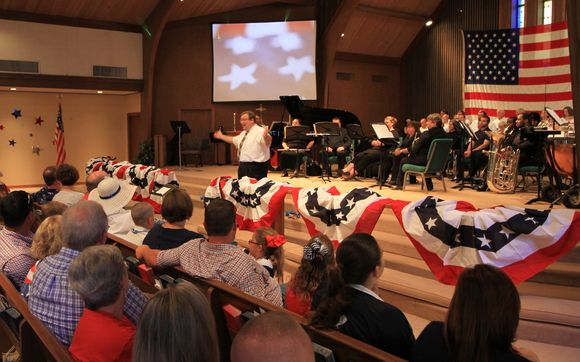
(475,148)
(420,148)
(523,140)
(338,146)
(412,133)
(379,149)
(291,159)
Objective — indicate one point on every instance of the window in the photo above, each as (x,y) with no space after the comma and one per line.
(547,11)
(521,12)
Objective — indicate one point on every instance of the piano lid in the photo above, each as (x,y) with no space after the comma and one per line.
(310,115)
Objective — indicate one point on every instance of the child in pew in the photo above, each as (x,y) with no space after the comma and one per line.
(143,216)
(99,276)
(310,281)
(177,325)
(46,241)
(266,246)
(481,322)
(352,304)
(272,336)
(176,209)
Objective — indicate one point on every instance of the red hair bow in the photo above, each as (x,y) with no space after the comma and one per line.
(275,241)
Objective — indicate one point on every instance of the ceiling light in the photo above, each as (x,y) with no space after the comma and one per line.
(12,89)
(99,92)
(429,23)
(342,35)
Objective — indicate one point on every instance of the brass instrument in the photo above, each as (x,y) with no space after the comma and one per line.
(502,166)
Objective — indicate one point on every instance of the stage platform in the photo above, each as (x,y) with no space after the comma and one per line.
(550,300)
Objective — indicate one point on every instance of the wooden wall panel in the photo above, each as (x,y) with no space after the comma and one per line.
(433,69)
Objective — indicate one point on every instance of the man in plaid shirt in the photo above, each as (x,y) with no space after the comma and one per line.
(51,298)
(16,237)
(217,258)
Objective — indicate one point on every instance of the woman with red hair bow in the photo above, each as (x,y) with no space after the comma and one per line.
(266,248)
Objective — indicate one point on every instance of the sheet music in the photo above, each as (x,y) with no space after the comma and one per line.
(555,116)
(382,131)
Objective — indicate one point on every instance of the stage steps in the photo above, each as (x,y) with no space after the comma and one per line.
(550,300)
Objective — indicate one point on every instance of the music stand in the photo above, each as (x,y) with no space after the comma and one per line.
(324,130)
(179,127)
(297,134)
(559,121)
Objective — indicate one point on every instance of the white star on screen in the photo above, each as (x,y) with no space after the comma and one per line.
(287,41)
(240,45)
(239,75)
(430,223)
(484,242)
(297,67)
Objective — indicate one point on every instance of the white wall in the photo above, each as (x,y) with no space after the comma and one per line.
(95,125)
(65,50)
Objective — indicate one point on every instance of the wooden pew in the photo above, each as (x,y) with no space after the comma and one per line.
(37,343)
(220,294)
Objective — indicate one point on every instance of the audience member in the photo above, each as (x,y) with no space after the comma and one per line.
(176,209)
(353,306)
(481,321)
(99,276)
(217,258)
(93,179)
(114,195)
(312,275)
(272,336)
(177,325)
(46,241)
(266,246)
(143,217)
(67,175)
(51,298)
(51,188)
(16,236)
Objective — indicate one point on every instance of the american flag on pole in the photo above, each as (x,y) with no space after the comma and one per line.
(525,68)
(59,138)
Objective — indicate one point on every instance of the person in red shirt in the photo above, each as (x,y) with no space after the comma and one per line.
(103,333)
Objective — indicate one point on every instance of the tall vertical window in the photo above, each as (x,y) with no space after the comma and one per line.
(521,12)
(547,12)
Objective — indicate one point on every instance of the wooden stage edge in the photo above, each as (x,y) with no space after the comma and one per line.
(201,176)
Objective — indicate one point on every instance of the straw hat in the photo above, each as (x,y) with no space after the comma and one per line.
(112,194)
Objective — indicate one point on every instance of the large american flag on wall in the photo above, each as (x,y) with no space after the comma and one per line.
(525,68)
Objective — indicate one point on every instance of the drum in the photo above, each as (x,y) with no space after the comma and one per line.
(561,156)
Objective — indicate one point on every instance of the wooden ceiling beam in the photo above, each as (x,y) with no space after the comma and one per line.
(392,13)
(66,21)
(69,82)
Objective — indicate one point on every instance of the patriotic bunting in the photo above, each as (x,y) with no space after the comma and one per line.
(147,178)
(449,235)
(452,235)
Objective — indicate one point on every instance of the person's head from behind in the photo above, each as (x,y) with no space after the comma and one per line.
(84,224)
(143,215)
(268,244)
(94,178)
(99,275)
(177,206)
(16,209)
(272,336)
(359,260)
(483,315)
(47,239)
(67,174)
(49,177)
(220,218)
(317,261)
(177,325)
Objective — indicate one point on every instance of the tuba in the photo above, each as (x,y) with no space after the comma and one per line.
(502,166)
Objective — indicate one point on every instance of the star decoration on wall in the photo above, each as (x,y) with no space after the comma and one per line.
(39,121)
(16,113)
(12,142)
(36,149)
(1,127)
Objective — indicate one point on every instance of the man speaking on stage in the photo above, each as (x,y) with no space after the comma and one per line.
(253,146)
